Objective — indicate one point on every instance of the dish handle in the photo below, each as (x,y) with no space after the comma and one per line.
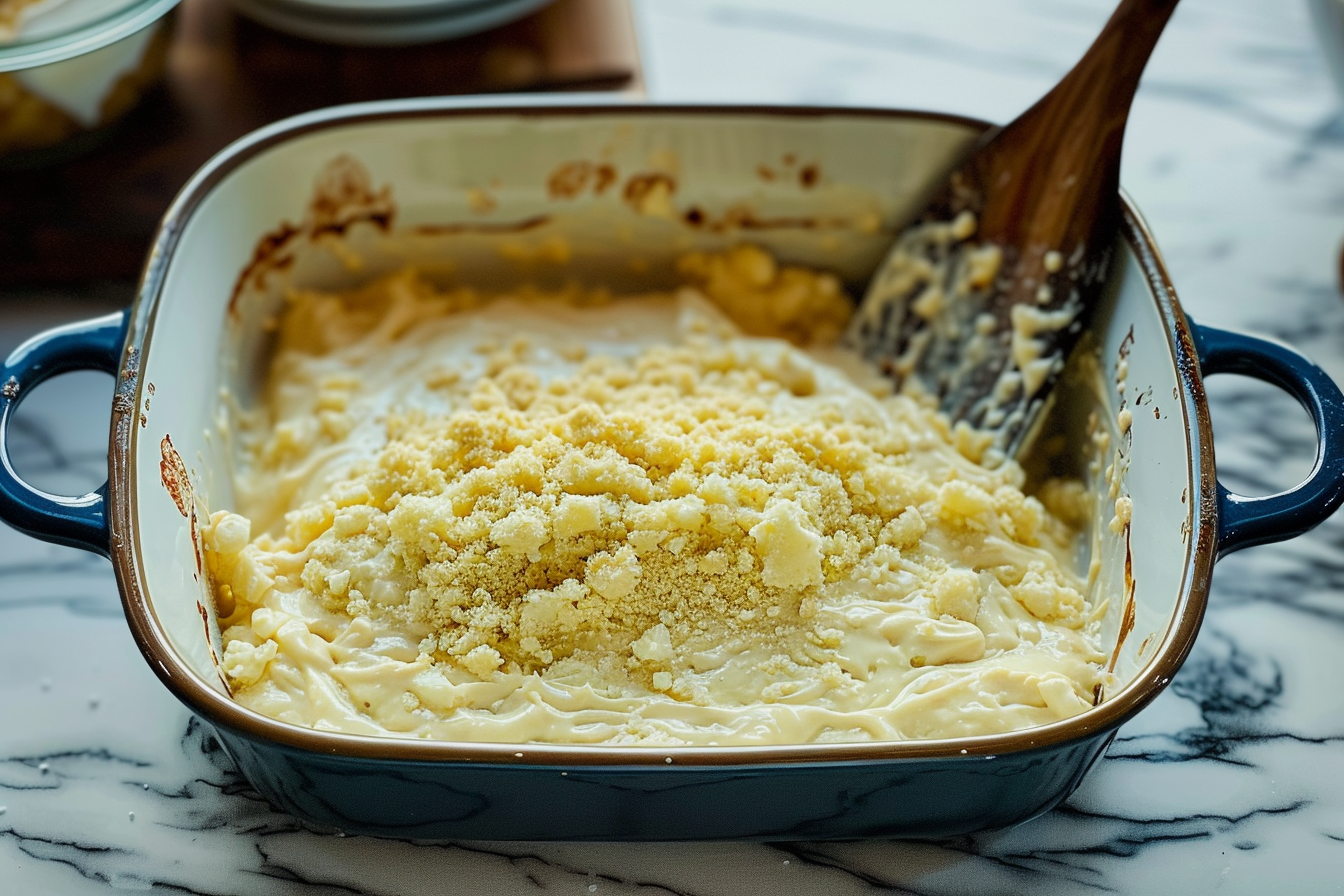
(1244,521)
(79,522)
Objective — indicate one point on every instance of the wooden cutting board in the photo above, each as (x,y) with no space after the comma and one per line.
(92,218)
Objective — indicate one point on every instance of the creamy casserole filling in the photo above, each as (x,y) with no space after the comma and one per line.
(560,516)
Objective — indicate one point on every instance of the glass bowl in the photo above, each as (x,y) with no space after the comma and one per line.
(69,68)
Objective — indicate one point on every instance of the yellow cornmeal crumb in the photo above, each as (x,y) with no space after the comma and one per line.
(707,520)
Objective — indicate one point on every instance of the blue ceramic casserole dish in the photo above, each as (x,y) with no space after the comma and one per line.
(822,187)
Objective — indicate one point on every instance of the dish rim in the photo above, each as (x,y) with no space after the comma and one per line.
(219,708)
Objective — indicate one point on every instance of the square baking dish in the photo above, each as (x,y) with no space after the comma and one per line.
(460,184)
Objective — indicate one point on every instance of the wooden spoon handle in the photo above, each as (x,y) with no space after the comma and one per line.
(1084,118)
(1113,64)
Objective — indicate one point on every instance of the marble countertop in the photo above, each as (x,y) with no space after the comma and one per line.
(1231,782)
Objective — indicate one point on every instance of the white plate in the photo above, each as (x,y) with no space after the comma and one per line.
(430,24)
(386,9)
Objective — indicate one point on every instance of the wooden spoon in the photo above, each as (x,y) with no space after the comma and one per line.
(981,298)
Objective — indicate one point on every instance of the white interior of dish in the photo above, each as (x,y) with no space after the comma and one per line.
(867,173)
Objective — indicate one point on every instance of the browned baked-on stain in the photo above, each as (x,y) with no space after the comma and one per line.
(1126,344)
(205,618)
(1157,412)
(343,195)
(1147,642)
(603,177)
(742,217)
(808,176)
(1126,620)
(570,179)
(459,227)
(263,260)
(196,547)
(765,173)
(790,159)
(174,475)
(640,186)
(177,480)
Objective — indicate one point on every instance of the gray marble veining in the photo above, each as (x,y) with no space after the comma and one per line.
(1231,782)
